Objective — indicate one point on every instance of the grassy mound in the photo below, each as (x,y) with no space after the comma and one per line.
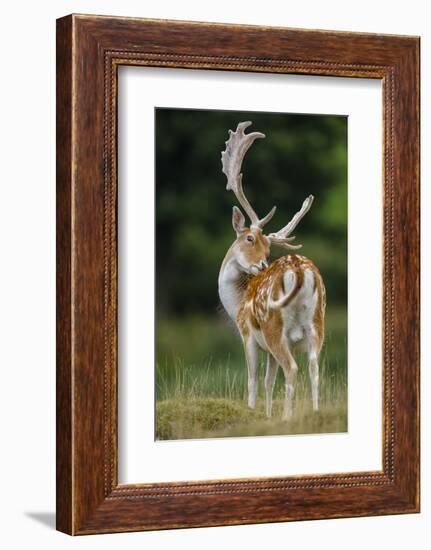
(212,417)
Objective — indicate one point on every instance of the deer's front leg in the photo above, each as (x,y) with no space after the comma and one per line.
(252,357)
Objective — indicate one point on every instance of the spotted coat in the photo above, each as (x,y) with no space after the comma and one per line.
(255,311)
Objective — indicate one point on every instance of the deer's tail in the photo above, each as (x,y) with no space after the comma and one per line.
(293,283)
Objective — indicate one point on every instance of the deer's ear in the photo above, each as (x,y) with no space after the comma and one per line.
(238,221)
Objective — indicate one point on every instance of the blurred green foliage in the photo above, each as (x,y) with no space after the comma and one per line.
(301,154)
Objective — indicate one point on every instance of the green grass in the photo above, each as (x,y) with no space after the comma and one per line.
(201,383)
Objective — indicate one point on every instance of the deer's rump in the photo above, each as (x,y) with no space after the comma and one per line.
(286,300)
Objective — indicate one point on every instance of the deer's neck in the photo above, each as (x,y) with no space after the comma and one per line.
(232,284)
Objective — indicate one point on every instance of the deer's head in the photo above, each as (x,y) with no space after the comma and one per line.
(252,247)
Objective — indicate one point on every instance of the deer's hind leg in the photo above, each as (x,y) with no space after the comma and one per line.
(278,344)
(271,373)
(290,369)
(313,371)
(315,333)
(314,346)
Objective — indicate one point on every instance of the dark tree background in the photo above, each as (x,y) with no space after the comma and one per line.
(301,154)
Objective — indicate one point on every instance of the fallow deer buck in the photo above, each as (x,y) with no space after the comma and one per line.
(276,307)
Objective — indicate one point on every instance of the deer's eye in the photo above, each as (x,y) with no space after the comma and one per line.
(250,238)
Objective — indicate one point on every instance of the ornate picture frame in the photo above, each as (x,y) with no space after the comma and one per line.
(89,51)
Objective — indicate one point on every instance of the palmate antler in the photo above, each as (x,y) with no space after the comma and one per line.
(282,236)
(236,147)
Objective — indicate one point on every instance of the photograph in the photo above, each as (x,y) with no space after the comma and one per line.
(251,273)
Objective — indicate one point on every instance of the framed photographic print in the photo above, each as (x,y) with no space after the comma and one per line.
(237,274)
